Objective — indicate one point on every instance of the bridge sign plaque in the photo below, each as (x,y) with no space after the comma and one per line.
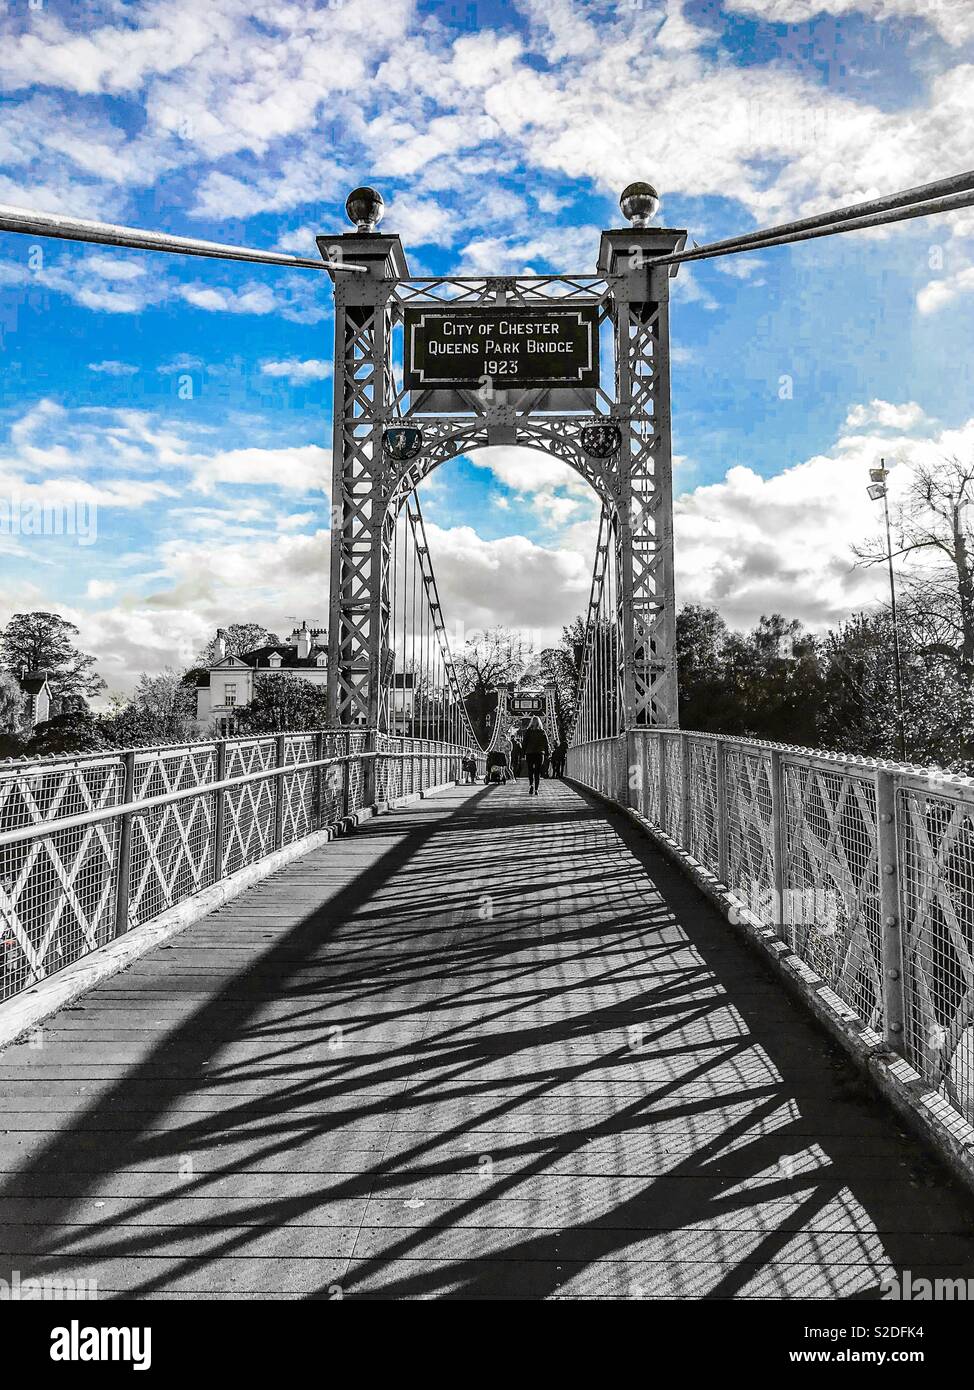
(545,346)
(527,704)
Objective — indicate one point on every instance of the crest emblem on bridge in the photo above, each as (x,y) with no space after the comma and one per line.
(575,365)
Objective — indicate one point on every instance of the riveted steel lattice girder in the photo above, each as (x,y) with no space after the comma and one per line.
(633,484)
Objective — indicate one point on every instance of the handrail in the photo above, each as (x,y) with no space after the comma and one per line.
(924,772)
(151,803)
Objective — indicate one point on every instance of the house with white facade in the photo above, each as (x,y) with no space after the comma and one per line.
(228,685)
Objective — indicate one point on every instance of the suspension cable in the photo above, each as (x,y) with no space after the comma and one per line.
(438,632)
(944,195)
(586,721)
(54,224)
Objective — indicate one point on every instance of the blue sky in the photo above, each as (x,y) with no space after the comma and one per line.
(190,400)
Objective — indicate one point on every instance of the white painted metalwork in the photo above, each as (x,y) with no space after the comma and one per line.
(89,850)
(865,868)
(633,484)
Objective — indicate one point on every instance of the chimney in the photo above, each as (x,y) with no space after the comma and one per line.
(221,643)
(304,641)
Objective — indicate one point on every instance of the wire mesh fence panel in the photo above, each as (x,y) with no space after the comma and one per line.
(650,745)
(249,817)
(672,756)
(32,794)
(831,914)
(701,795)
(158,771)
(936,836)
(357,743)
(750,831)
(57,894)
(57,901)
(298,748)
(599,764)
(298,791)
(389,777)
(172,846)
(172,856)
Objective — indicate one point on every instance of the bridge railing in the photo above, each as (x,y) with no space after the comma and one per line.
(864,868)
(93,847)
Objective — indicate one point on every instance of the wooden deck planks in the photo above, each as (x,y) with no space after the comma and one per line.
(487,1047)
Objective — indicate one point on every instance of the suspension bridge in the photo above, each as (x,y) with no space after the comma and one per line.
(303,1015)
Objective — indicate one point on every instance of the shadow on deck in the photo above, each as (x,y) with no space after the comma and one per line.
(488,1047)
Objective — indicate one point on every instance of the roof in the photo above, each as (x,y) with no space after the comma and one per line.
(33,682)
(260,656)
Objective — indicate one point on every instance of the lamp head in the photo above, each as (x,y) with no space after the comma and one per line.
(365,207)
(639,202)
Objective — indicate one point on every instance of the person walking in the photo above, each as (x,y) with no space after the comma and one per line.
(537,750)
(505,748)
(558,758)
(516,752)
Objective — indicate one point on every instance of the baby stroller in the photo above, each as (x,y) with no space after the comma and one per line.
(497,768)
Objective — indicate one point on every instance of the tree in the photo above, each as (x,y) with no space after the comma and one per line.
(162,710)
(559,666)
(45,642)
(776,674)
(12,719)
(240,638)
(708,701)
(499,657)
(936,607)
(283,702)
(11,704)
(77,731)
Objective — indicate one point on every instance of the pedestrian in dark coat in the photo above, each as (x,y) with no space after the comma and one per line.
(537,751)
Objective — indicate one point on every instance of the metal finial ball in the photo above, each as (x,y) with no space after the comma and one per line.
(639,202)
(365,208)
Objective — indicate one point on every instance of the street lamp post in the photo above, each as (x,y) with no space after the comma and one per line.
(877,490)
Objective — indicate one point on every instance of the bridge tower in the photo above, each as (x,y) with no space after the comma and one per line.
(406,398)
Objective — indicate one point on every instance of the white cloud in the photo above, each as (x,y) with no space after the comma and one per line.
(201,584)
(937,294)
(110,443)
(751,545)
(182,362)
(886,415)
(100,588)
(567,248)
(510,582)
(81,280)
(952,19)
(305,468)
(526,470)
(296,371)
(125,286)
(252,298)
(113,368)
